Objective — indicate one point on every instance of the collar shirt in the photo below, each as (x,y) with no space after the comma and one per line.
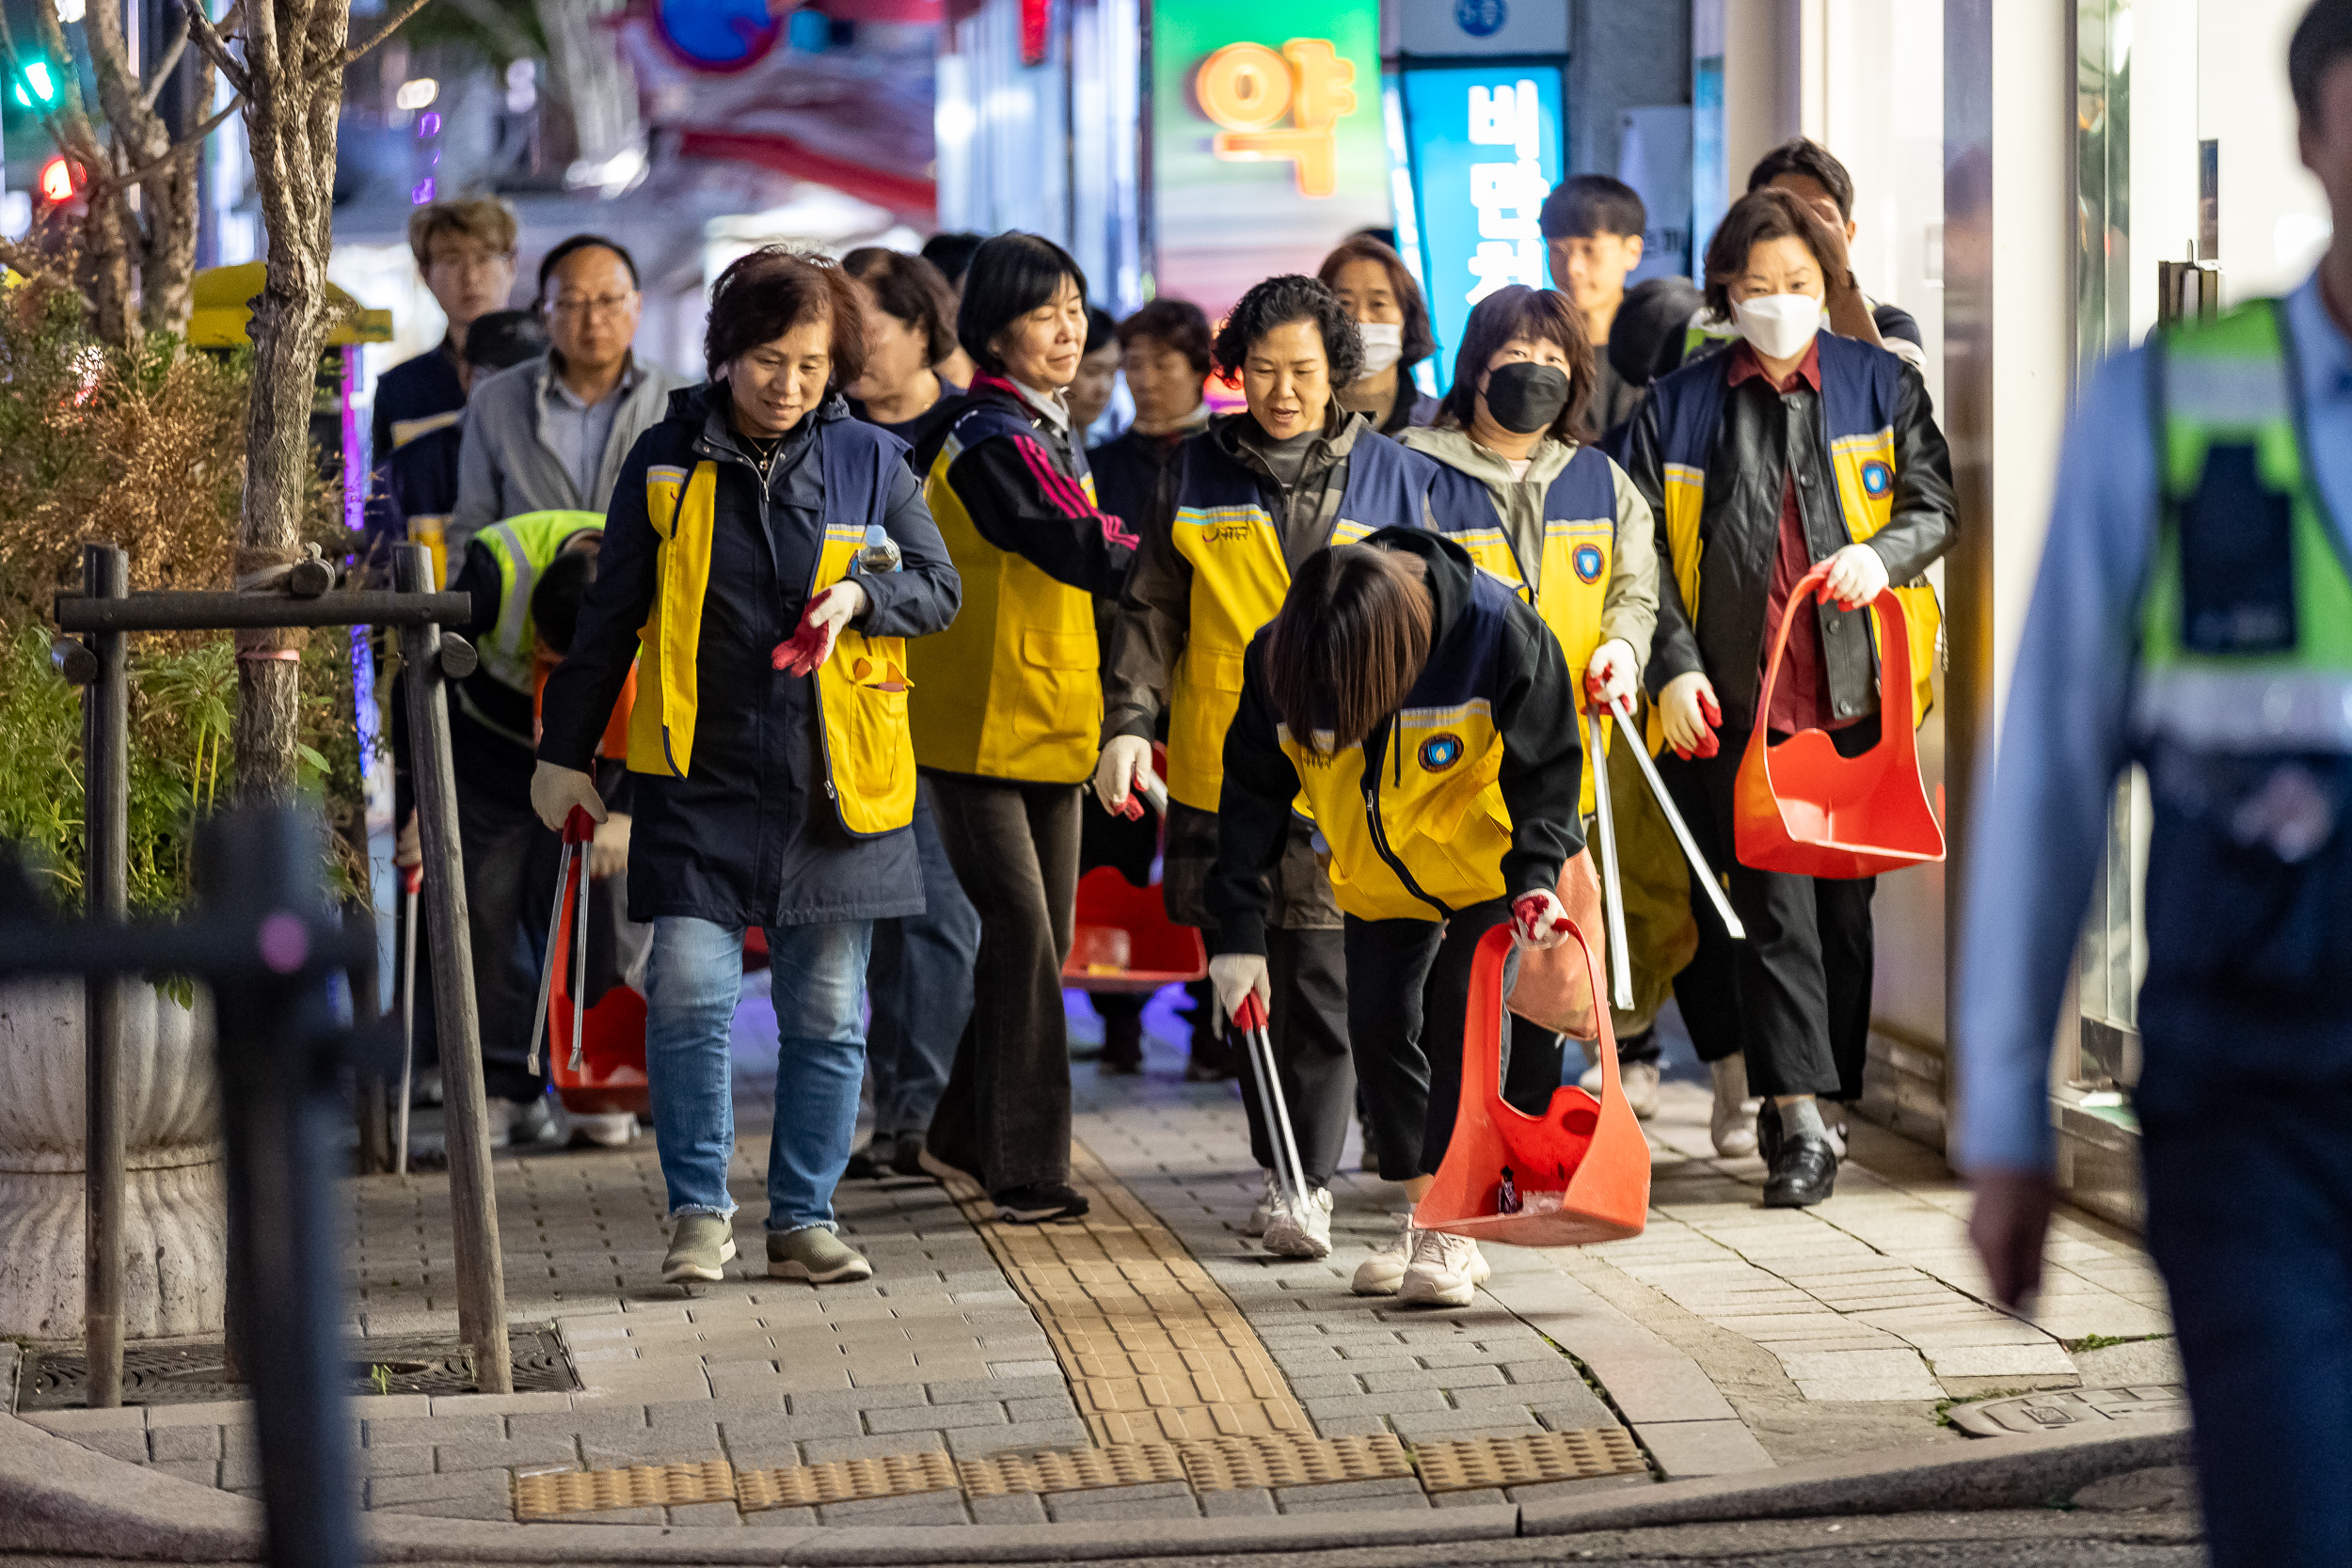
(1801,701)
(1051,405)
(579,431)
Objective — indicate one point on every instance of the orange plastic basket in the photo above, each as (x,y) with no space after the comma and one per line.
(1577,1174)
(1125,942)
(1801,808)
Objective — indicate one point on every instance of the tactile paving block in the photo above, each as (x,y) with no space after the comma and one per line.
(1469,1463)
(549,1495)
(1280,1459)
(897,1475)
(1072,1469)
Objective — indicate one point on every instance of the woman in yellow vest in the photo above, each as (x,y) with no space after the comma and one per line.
(1426,715)
(774,768)
(1562,524)
(1007,704)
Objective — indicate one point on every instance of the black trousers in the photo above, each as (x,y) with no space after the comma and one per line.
(1408,991)
(1006,1112)
(1308,973)
(1798,986)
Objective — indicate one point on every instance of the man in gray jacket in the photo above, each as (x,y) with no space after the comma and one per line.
(550,434)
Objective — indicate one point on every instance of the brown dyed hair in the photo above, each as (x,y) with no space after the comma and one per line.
(1173,323)
(482,218)
(1770,213)
(1421,341)
(764,295)
(1351,637)
(911,289)
(1543,315)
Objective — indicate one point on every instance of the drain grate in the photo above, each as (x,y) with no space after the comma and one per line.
(1209,1465)
(1472,1464)
(2068,1407)
(57,1377)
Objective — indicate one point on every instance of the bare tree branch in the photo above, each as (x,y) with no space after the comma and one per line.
(207,38)
(165,67)
(411,9)
(192,142)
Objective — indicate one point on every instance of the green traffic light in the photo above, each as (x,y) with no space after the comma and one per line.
(37,76)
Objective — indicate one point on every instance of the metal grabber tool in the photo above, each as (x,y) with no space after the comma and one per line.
(411,881)
(1612,888)
(1674,817)
(1249,1022)
(571,875)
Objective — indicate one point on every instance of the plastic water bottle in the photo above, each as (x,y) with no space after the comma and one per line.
(880,553)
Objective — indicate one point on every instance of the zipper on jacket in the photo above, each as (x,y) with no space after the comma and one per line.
(1379,831)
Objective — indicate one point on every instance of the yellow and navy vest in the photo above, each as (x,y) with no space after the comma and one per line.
(1013,689)
(522,546)
(1861,390)
(1414,817)
(867,749)
(1240,575)
(1579,551)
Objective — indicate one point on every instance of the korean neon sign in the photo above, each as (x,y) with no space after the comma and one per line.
(1246,89)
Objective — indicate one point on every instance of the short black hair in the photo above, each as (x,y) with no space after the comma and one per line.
(1280,301)
(1172,323)
(951,254)
(505,337)
(1011,276)
(1810,158)
(1584,205)
(584,241)
(1102,331)
(911,289)
(2321,38)
(555,598)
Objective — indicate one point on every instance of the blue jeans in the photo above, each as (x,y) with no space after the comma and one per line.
(919,985)
(2249,1221)
(693,980)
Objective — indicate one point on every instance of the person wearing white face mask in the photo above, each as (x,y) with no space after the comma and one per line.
(1373,286)
(1864,486)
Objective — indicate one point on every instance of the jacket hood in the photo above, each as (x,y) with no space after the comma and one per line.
(1453,447)
(1450,572)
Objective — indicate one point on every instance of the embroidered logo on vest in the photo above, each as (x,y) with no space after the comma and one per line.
(1439,753)
(1588,563)
(1877,478)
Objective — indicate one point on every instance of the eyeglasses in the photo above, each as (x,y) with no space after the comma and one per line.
(603,304)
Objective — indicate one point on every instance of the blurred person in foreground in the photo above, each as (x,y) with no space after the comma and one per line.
(1007,704)
(918,982)
(466,252)
(2194,615)
(1372,285)
(772,769)
(550,434)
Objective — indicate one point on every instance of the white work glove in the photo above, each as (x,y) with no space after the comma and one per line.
(554,791)
(1690,713)
(1611,673)
(409,848)
(1538,920)
(1857,575)
(608,852)
(1120,772)
(820,626)
(1236,976)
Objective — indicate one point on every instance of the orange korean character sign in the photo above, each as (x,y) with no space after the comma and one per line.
(1247,89)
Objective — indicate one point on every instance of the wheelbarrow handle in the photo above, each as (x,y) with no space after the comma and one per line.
(1623,708)
(1613,888)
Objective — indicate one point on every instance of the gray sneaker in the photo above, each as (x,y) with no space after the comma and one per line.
(814,1254)
(699,1248)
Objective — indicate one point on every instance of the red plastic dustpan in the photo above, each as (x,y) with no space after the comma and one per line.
(1577,1174)
(611,1071)
(1124,939)
(1801,808)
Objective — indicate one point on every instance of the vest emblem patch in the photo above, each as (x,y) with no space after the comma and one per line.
(1877,478)
(1588,563)
(1439,753)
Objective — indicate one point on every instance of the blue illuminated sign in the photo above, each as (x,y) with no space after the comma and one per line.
(1484,146)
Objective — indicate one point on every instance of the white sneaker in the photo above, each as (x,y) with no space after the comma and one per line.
(1446,1270)
(1301,1230)
(1262,1213)
(1638,1079)
(1378,1275)
(603,1129)
(1729,1124)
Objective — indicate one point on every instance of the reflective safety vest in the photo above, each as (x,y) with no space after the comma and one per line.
(1580,549)
(1414,817)
(1861,387)
(1013,689)
(522,546)
(1240,575)
(2246,629)
(861,688)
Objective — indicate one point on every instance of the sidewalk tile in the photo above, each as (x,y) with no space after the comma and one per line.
(1688,1448)
(231,1412)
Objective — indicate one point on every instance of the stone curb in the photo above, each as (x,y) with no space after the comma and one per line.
(56,1496)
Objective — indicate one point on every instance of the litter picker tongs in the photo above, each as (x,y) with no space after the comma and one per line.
(571,875)
(1249,1022)
(1623,709)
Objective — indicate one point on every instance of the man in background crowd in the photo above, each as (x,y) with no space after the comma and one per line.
(466,250)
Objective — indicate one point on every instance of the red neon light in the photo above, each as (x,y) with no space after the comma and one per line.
(57,179)
(1036,30)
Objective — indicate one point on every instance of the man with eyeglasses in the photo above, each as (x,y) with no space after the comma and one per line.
(550,434)
(466,252)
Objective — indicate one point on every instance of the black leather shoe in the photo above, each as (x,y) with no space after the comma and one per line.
(872,1162)
(1804,1172)
(1038,1202)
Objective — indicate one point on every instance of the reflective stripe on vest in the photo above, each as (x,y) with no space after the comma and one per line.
(1580,549)
(2228,385)
(522,546)
(1425,833)
(1012,690)
(1239,578)
(867,746)
(1860,389)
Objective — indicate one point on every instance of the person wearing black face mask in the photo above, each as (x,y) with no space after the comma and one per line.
(1578,542)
